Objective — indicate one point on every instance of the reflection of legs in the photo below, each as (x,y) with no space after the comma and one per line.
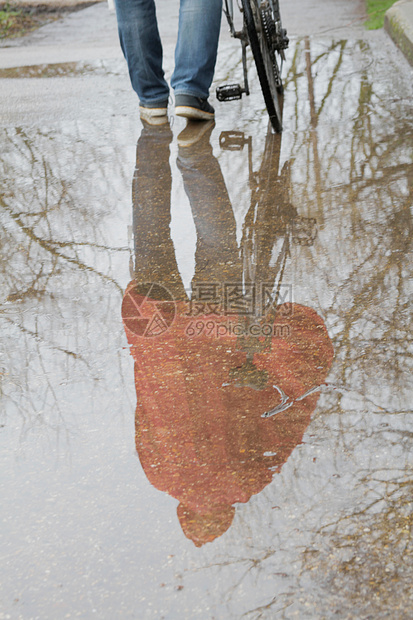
(196,48)
(155,259)
(217,254)
(141,46)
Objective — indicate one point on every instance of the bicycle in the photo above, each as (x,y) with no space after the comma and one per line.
(262,30)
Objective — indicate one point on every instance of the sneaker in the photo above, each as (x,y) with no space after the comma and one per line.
(193,132)
(194,108)
(156,114)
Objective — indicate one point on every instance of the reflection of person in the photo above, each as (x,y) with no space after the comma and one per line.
(195,56)
(199,433)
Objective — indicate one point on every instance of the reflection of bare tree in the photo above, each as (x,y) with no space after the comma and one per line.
(54,252)
(371,547)
(37,197)
(366,167)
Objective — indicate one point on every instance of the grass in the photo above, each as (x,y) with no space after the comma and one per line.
(9,18)
(376,10)
(15,21)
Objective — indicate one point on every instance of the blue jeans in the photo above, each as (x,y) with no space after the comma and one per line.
(195,53)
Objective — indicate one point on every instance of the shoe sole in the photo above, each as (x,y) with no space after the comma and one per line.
(189,139)
(150,112)
(154,116)
(155,120)
(193,113)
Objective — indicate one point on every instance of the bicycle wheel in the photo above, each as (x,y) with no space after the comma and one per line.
(260,27)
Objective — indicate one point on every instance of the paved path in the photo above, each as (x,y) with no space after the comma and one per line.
(336,16)
(90,36)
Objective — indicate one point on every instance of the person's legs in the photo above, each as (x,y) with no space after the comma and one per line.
(196,48)
(142,48)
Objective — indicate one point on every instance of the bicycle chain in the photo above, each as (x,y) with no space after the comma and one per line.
(270,34)
(268,25)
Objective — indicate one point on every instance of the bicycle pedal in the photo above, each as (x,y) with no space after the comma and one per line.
(229,92)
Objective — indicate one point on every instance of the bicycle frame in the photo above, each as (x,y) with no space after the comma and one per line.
(229,13)
(228,9)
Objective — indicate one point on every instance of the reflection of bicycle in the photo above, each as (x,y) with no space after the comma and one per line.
(263,31)
(271,225)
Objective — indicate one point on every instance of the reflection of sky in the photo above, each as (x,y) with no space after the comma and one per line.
(182,225)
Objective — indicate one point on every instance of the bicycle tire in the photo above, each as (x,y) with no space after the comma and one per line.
(265,62)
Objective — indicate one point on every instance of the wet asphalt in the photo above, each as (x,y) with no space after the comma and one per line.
(206,333)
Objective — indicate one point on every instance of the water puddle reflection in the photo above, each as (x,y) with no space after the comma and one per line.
(258,323)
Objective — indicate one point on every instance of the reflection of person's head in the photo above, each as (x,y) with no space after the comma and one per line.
(205,527)
(200,434)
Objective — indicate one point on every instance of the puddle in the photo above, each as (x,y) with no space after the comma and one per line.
(66,69)
(158,301)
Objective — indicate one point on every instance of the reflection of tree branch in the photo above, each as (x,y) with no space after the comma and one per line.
(366,509)
(259,610)
(72,244)
(341,45)
(49,246)
(359,183)
(35,335)
(30,291)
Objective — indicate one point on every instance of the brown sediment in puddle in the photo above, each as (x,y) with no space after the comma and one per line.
(65,69)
